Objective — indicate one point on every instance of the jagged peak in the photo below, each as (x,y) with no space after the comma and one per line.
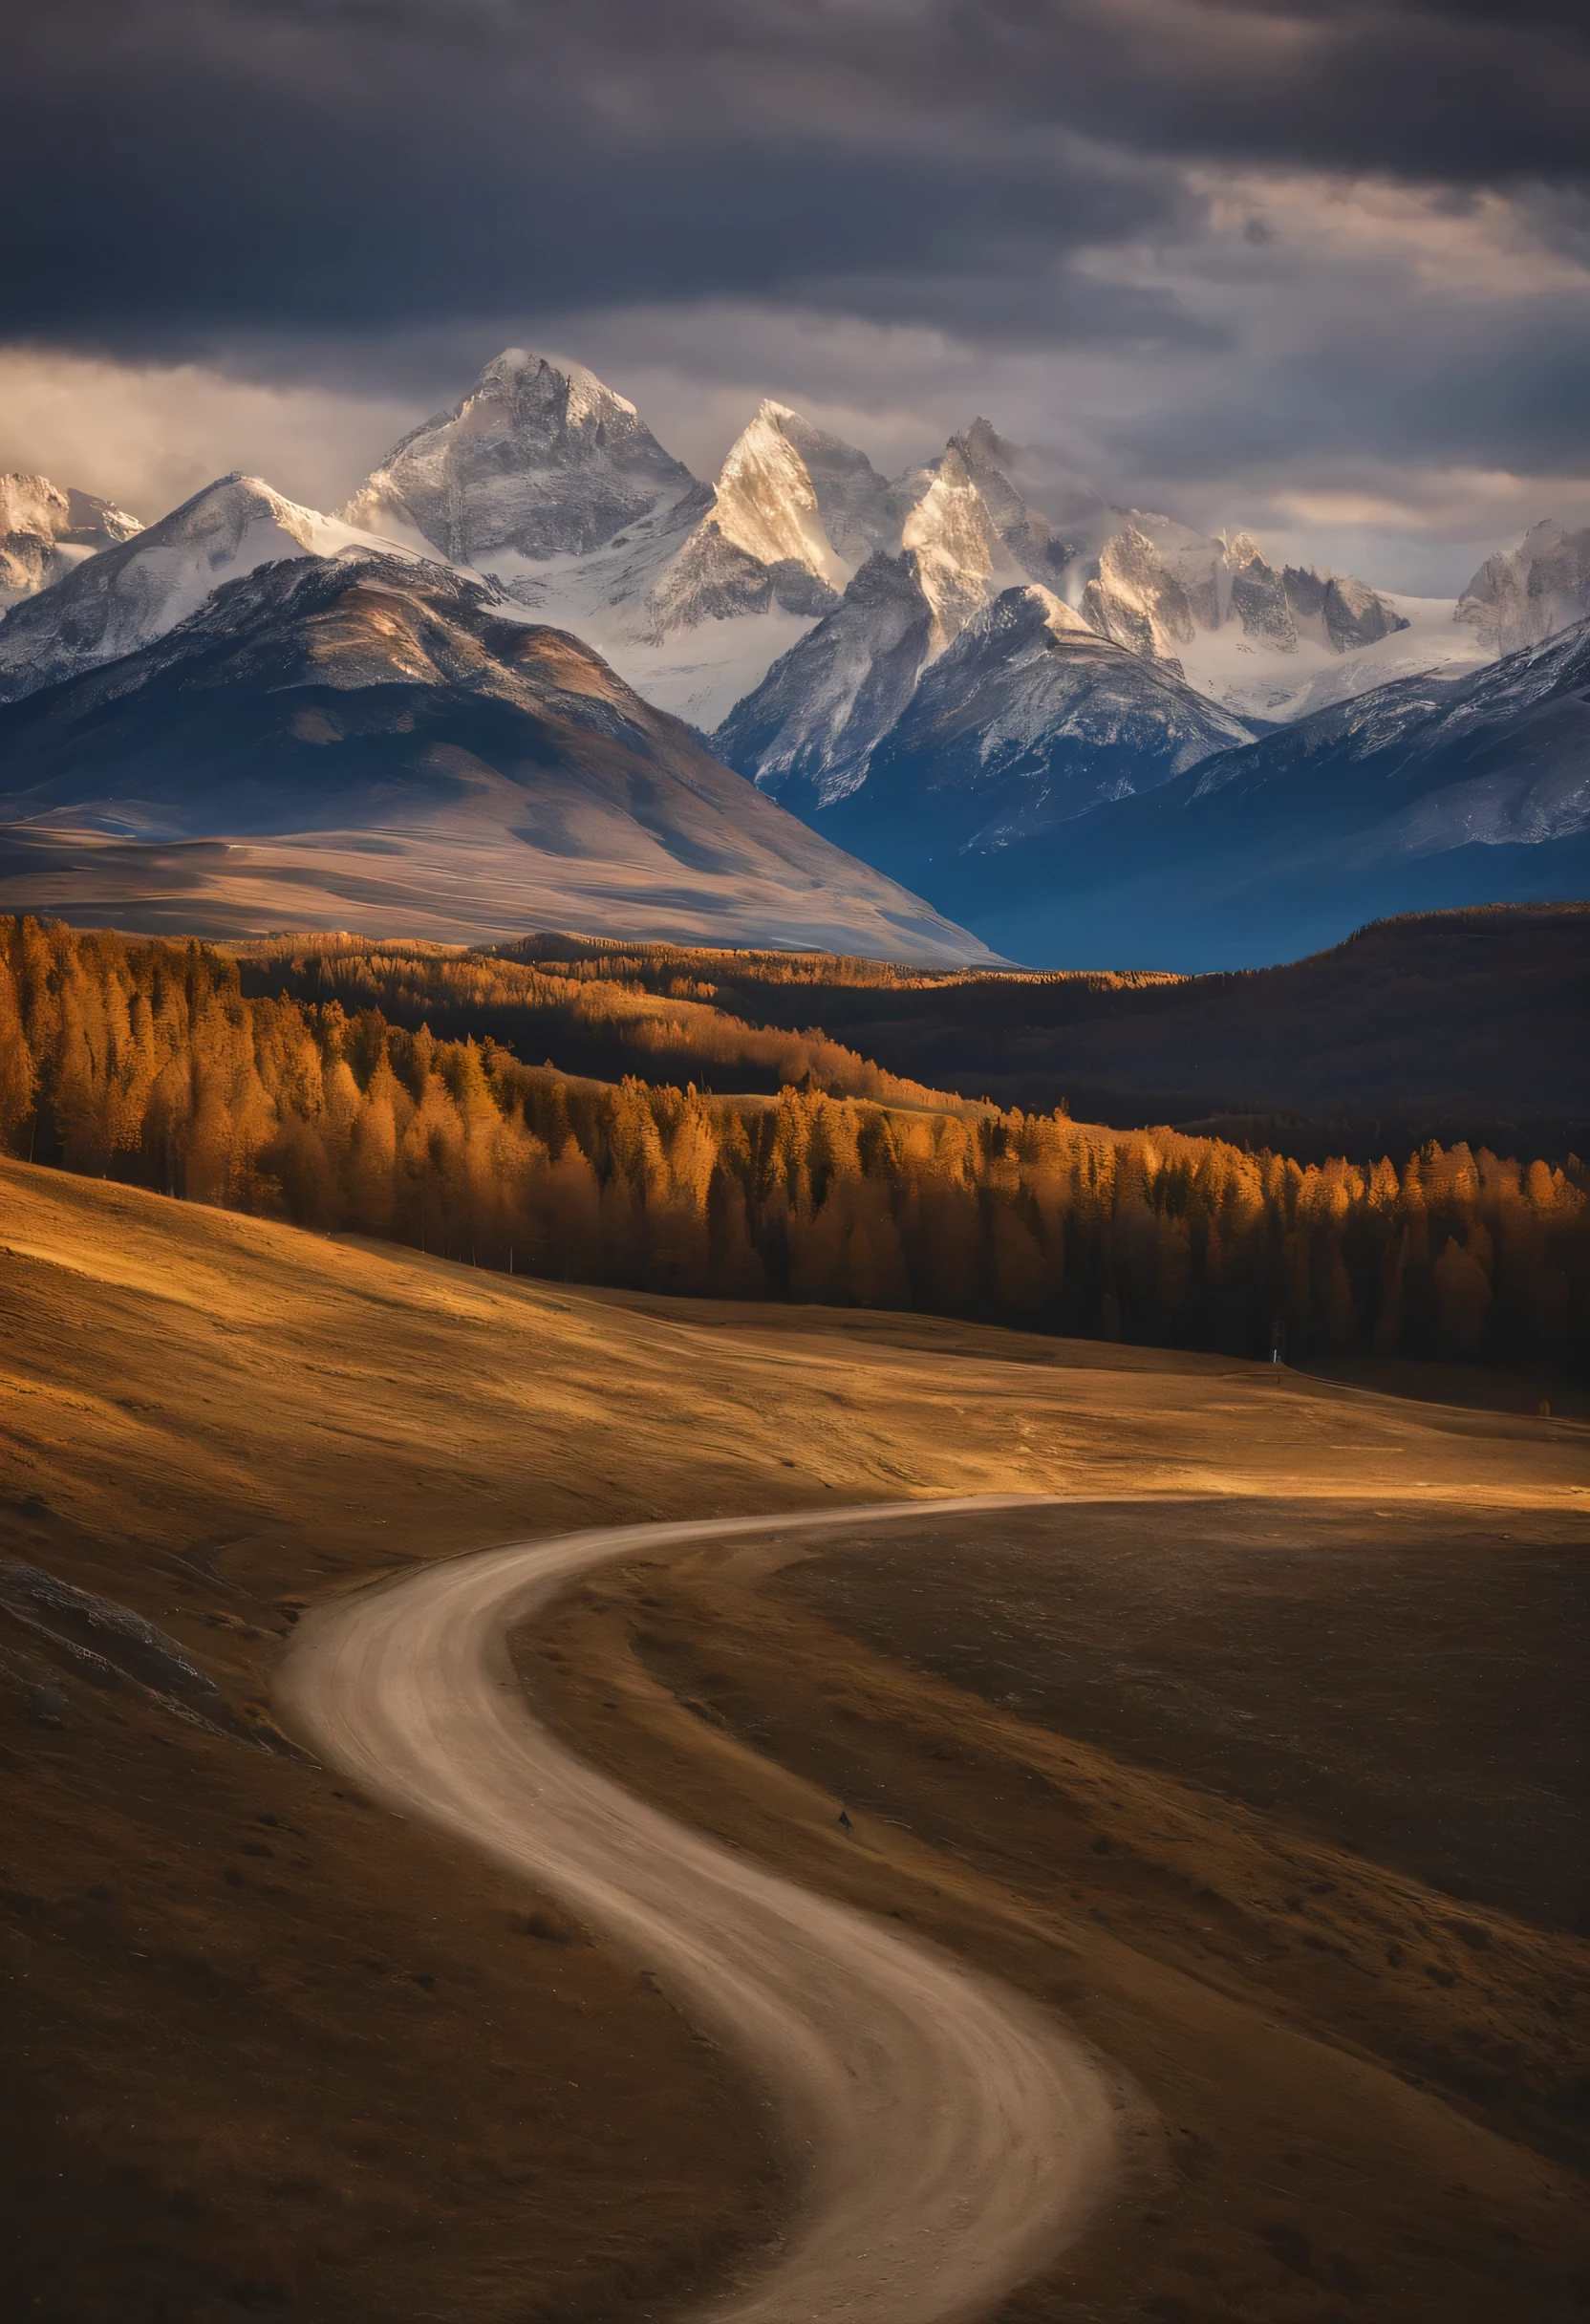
(1028,605)
(766,503)
(586,390)
(31,501)
(982,440)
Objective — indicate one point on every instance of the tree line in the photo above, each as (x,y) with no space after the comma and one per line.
(149,1063)
(605,1011)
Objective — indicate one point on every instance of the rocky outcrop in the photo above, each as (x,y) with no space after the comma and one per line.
(542,461)
(45,531)
(1527,593)
(806,732)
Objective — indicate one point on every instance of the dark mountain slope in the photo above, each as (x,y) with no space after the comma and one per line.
(1025,721)
(374,744)
(1451,1025)
(1424,794)
(804,735)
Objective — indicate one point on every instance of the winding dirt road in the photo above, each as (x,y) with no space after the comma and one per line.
(947,2137)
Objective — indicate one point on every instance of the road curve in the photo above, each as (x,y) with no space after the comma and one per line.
(947,2137)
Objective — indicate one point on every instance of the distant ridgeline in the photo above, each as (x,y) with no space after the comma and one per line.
(153,1064)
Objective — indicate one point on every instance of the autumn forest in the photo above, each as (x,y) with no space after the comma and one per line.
(270,1085)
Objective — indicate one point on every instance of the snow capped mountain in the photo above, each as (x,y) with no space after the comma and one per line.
(807,731)
(544,462)
(760,542)
(127,596)
(44,532)
(1434,791)
(1242,631)
(957,663)
(765,500)
(554,486)
(1501,756)
(378,743)
(1525,595)
(963,559)
(1042,512)
(1026,720)
(853,501)
(1426,643)
(1253,637)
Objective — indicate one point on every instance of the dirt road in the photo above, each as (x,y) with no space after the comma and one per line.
(946,2139)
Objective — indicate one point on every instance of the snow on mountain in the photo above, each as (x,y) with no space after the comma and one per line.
(805,733)
(852,499)
(127,596)
(765,501)
(1515,735)
(963,559)
(1429,642)
(1439,789)
(1246,633)
(702,596)
(1262,641)
(1052,518)
(44,532)
(384,743)
(1027,720)
(547,462)
(1522,596)
(552,485)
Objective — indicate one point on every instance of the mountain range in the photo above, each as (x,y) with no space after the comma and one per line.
(369,741)
(977,674)
(1427,793)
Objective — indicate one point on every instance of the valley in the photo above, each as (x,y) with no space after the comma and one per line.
(795,1163)
(427,2075)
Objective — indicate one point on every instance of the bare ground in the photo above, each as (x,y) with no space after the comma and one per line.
(365,2075)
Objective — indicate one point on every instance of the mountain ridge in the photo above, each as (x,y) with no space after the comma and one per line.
(45,529)
(1432,793)
(376,742)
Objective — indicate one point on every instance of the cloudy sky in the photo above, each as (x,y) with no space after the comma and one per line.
(1318,267)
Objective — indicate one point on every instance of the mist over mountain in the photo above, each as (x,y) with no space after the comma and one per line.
(1520,597)
(46,531)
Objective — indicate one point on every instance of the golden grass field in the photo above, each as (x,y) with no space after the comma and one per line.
(273,2047)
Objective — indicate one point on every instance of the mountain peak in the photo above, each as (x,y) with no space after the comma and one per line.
(46,528)
(535,461)
(1524,594)
(960,553)
(582,392)
(134,590)
(767,502)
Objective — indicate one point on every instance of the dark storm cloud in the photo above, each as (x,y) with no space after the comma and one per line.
(1459,393)
(203,167)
